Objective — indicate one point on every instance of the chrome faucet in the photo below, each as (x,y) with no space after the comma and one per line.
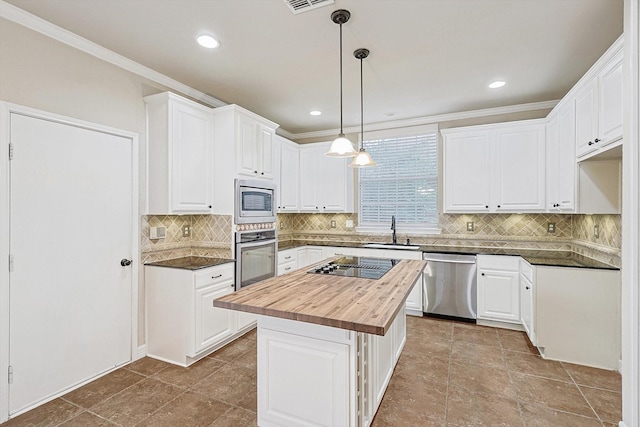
(393,227)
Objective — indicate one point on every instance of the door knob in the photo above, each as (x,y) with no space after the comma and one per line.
(125,262)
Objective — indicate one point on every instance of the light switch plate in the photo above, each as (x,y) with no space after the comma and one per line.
(470,226)
(186,230)
(333,223)
(596,231)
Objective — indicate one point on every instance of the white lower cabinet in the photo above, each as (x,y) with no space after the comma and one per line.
(287,261)
(309,255)
(499,288)
(527,299)
(313,375)
(182,324)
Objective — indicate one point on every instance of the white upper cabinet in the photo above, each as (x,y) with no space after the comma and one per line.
(561,160)
(467,179)
(495,168)
(599,104)
(326,183)
(288,172)
(519,180)
(254,145)
(179,161)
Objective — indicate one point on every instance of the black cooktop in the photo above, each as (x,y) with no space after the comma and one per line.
(363,267)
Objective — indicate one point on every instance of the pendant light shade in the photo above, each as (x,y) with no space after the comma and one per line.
(363,159)
(341,146)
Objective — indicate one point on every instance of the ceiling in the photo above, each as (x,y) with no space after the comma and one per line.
(428,57)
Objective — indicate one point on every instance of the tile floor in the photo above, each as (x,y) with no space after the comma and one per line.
(449,374)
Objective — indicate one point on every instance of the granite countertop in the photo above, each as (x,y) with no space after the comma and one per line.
(191,262)
(533,257)
(357,304)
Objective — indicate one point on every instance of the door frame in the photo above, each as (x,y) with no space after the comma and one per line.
(6,109)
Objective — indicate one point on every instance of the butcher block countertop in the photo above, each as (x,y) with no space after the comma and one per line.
(357,304)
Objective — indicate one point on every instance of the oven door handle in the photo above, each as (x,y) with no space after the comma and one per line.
(264,242)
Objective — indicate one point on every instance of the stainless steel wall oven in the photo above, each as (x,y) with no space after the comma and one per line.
(256,256)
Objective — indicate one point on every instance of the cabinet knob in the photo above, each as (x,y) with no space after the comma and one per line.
(526,287)
(486,206)
(597,140)
(210,206)
(482,274)
(498,205)
(125,262)
(261,173)
(216,277)
(590,143)
(255,171)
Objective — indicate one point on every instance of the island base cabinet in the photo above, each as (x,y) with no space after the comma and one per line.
(314,375)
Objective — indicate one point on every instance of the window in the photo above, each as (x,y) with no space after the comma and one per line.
(404,184)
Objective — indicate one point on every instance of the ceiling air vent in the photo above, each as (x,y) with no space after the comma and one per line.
(299,6)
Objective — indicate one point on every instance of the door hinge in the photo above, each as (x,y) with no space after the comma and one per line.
(10,263)
(10,374)
(10,151)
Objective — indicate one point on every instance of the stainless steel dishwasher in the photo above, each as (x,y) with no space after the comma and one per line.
(450,286)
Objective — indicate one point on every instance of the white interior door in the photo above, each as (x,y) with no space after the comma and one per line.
(70,226)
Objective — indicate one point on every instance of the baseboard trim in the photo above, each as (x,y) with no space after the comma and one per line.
(142,352)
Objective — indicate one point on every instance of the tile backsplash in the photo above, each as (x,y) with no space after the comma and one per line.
(211,235)
(571,232)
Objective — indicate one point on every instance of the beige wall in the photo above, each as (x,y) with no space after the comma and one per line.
(39,72)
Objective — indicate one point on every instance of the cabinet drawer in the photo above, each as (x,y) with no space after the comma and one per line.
(499,262)
(289,255)
(287,267)
(215,275)
(526,270)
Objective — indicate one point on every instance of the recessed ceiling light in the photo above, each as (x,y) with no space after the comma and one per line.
(207,41)
(496,84)
(315,112)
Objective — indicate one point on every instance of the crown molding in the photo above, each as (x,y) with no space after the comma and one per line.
(417,121)
(26,19)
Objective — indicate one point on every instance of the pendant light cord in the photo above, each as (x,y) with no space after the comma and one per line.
(361,109)
(341,131)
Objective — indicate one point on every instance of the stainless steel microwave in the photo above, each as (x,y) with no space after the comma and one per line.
(255,201)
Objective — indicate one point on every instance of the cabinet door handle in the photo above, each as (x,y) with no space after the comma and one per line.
(216,277)
(287,257)
(590,143)
(596,140)
(287,268)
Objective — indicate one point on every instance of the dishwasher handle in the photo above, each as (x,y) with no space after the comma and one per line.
(450,258)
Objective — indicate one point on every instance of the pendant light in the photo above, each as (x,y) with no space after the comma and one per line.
(363,159)
(341,146)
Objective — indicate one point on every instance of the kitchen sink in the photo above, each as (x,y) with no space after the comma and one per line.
(391,246)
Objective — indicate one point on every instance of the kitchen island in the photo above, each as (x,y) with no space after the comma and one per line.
(327,345)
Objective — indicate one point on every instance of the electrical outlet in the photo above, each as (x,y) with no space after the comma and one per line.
(551,227)
(596,231)
(281,225)
(333,223)
(186,230)
(470,226)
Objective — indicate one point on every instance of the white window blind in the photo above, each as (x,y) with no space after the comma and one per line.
(404,184)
